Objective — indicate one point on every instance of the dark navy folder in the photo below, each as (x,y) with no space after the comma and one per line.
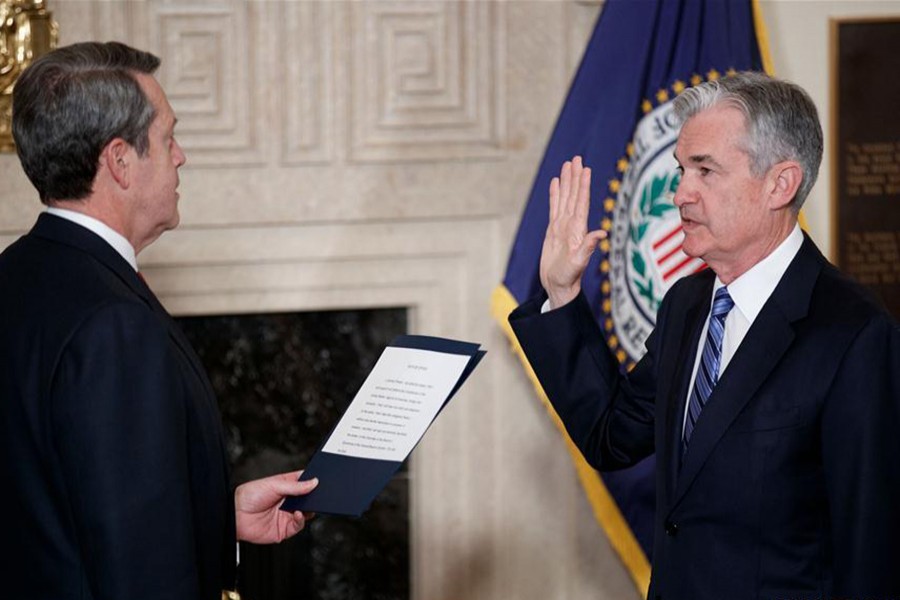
(348,484)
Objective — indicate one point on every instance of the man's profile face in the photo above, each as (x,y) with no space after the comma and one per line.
(720,200)
(156,177)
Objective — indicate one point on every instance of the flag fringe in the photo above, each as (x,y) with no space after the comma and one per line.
(605,510)
(762,38)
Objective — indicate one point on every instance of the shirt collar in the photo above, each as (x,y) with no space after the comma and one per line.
(108,234)
(751,290)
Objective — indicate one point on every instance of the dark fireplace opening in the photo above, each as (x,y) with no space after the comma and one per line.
(282,382)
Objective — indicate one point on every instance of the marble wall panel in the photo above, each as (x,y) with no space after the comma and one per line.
(427,80)
(304,60)
(212,76)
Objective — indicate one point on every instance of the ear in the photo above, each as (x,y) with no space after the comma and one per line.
(117,157)
(785,179)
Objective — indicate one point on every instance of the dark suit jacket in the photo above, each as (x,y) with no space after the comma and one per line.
(115,482)
(790,487)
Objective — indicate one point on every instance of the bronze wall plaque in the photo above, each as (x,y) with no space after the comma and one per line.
(866,167)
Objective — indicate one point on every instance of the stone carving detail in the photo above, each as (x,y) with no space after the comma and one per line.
(427,80)
(209,73)
(305,78)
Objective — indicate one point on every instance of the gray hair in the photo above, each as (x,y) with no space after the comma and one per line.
(780,118)
(69,104)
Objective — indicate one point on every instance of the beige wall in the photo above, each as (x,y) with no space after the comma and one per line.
(378,154)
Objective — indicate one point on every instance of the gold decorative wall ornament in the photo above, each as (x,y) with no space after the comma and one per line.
(27,31)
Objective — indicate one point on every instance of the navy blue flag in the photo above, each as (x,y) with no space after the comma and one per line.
(618,116)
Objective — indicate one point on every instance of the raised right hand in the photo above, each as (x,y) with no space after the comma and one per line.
(568,244)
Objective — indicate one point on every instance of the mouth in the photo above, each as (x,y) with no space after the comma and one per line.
(688,223)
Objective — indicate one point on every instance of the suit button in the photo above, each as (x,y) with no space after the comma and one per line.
(671,528)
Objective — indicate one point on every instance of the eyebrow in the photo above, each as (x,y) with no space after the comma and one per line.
(699,159)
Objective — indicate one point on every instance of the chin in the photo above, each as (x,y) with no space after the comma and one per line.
(690,248)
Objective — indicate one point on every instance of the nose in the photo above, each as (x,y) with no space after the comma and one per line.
(683,193)
(178,155)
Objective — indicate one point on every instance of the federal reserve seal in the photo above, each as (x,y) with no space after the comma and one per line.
(644,254)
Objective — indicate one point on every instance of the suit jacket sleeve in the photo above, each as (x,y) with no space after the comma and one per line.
(861,455)
(119,421)
(609,416)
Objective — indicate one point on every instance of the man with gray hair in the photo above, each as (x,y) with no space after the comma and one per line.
(112,455)
(770,390)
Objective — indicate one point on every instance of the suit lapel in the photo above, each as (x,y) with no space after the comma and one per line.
(174,330)
(675,394)
(62,231)
(760,351)
(768,339)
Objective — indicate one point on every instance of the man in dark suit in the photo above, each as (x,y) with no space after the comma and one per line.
(112,457)
(775,414)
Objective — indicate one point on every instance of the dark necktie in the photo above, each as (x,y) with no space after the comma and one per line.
(708,372)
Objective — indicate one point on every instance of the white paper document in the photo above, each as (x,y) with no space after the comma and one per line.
(415,377)
(396,404)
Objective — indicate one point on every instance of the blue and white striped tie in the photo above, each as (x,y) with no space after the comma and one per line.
(708,372)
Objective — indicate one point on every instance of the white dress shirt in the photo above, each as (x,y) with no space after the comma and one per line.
(750,292)
(109,235)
